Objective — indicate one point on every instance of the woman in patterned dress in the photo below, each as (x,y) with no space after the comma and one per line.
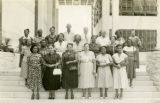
(130,50)
(70,70)
(51,82)
(120,60)
(86,70)
(34,81)
(105,79)
(24,67)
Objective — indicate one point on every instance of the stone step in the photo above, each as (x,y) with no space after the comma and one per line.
(14,78)
(12,83)
(11,78)
(17,73)
(108,100)
(21,83)
(61,95)
(25,89)
(142,78)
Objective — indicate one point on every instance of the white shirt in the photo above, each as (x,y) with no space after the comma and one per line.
(78,47)
(103,41)
(129,49)
(60,47)
(68,37)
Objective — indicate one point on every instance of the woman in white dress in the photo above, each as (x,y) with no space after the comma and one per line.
(105,79)
(24,67)
(87,70)
(120,60)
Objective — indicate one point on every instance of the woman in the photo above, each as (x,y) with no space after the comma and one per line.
(112,46)
(60,45)
(120,40)
(24,68)
(51,38)
(130,50)
(105,79)
(43,49)
(137,44)
(34,80)
(93,46)
(77,43)
(119,71)
(70,70)
(51,82)
(87,70)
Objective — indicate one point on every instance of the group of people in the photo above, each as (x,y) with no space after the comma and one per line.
(70,61)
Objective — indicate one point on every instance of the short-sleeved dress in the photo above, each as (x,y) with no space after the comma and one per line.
(120,75)
(136,43)
(105,79)
(69,71)
(131,67)
(86,78)
(50,81)
(24,67)
(34,79)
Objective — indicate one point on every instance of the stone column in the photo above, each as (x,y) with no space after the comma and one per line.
(0,21)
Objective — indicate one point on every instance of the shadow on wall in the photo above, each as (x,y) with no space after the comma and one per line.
(153,67)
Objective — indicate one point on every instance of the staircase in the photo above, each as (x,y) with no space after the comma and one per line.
(13,90)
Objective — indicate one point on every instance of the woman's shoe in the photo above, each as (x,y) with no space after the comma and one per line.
(53,98)
(37,97)
(116,97)
(72,96)
(66,96)
(32,97)
(49,97)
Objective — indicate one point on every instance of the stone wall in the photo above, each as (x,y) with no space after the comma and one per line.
(153,67)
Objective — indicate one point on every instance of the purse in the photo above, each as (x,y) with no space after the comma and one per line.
(57,71)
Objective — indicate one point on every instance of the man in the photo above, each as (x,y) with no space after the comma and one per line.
(23,42)
(103,40)
(68,36)
(86,37)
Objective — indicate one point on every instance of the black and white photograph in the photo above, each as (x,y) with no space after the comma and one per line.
(79,51)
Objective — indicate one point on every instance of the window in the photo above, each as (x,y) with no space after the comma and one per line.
(147,37)
(138,7)
(97,12)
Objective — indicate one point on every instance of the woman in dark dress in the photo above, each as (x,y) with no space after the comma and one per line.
(51,82)
(70,70)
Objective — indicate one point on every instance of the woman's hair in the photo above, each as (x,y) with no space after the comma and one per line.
(32,47)
(52,27)
(100,50)
(59,35)
(76,36)
(71,44)
(119,45)
(26,30)
(93,36)
(86,44)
